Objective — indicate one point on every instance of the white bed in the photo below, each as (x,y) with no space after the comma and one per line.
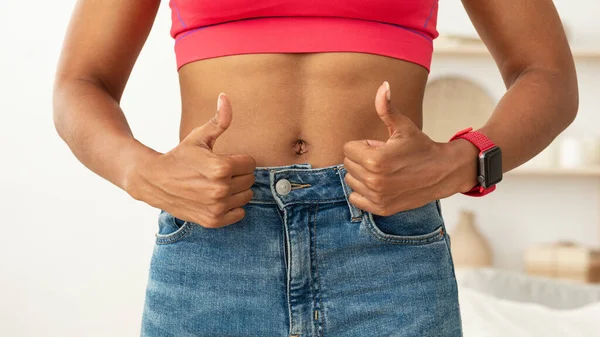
(509,304)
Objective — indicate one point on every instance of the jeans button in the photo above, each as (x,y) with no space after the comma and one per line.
(283,186)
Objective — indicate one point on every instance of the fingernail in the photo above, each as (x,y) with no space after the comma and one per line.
(219,99)
(387,90)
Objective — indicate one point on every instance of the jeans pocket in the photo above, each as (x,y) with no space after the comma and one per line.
(417,226)
(171,229)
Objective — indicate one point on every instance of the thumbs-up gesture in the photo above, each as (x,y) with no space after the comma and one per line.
(193,183)
(407,171)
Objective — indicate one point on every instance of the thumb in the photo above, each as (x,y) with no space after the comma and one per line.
(206,135)
(398,124)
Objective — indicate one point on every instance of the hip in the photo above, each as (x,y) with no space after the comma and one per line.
(304,261)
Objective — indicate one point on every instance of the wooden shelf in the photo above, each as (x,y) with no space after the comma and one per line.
(480,50)
(592,171)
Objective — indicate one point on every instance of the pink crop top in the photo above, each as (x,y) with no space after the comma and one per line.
(402,29)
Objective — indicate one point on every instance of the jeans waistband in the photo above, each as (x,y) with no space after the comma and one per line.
(300,183)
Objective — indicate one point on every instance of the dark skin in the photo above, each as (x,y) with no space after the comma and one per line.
(530,48)
(320,108)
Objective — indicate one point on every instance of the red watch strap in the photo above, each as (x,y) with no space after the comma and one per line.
(483,143)
(477,138)
(480,191)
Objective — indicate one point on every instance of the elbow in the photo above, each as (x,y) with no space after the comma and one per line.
(569,98)
(57,112)
(59,108)
(573,107)
(556,82)
(563,79)
(562,92)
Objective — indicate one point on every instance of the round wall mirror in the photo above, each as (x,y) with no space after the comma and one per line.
(453,103)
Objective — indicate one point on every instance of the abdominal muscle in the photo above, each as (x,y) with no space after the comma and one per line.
(298,108)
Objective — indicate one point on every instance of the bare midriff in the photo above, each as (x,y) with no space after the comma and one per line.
(298,108)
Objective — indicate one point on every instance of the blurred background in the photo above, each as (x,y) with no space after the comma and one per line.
(76,249)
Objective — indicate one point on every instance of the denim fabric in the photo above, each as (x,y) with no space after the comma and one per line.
(305,263)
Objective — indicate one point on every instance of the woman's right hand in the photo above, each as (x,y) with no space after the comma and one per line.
(194,184)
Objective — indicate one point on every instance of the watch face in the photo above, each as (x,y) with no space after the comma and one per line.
(491,166)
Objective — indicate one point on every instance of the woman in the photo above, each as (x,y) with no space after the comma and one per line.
(308,204)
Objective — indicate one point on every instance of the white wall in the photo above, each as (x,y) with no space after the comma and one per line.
(76,249)
(528,210)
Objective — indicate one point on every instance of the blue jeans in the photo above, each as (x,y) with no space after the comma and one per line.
(303,262)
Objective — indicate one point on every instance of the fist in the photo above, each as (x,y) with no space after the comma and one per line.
(403,173)
(193,183)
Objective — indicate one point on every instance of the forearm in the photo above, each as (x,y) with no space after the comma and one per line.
(536,108)
(94,127)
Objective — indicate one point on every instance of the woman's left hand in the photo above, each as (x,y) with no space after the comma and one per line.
(409,170)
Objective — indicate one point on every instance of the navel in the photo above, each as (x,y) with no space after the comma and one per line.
(301,147)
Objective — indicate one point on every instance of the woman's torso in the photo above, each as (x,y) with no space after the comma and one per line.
(298,108)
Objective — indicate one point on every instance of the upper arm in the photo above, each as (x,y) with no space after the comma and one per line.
(103,41)
(522,35)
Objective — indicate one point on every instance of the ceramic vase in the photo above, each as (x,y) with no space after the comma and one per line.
(469,247)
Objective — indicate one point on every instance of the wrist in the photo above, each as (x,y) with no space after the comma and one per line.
(462,161)
(135,156)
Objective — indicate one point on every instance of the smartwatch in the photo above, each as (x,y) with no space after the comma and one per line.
(489,162)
